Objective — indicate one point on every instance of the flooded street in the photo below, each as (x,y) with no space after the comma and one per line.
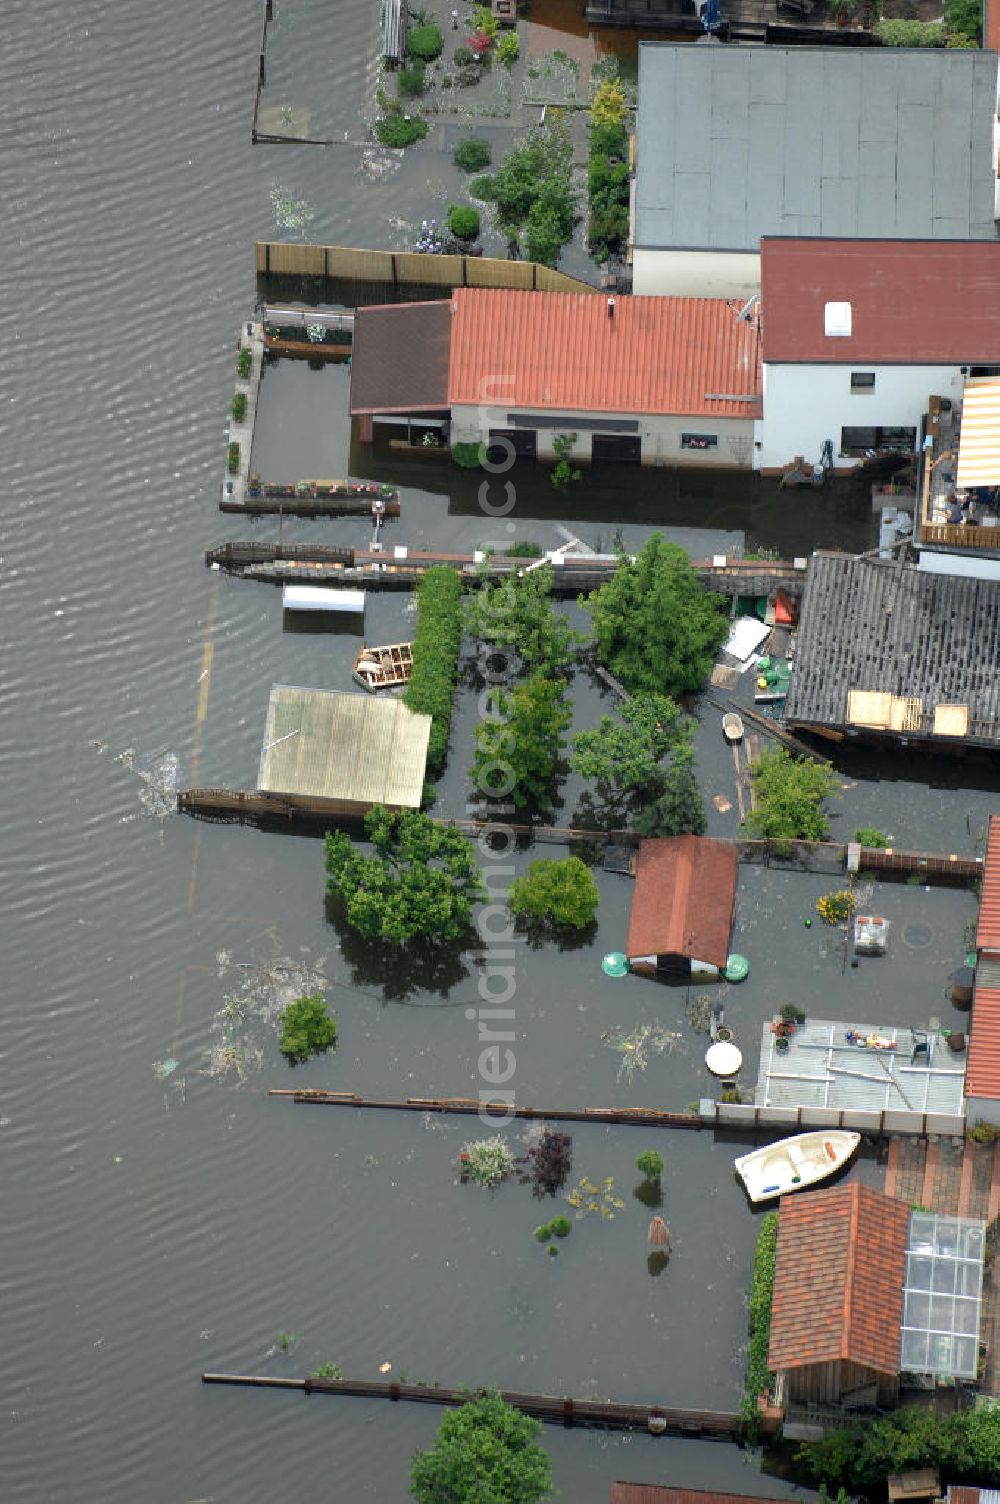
(162,1216)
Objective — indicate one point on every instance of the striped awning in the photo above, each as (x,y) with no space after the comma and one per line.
(979,442)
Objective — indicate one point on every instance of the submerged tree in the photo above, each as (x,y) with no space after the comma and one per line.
(790,792)
(657,627)
(678,808)
(306,1029)
(518,752)
(485,1452)
(517,612)
(624,754)
(560,894)
(421,881)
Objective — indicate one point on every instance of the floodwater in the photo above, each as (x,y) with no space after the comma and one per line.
(161,1215)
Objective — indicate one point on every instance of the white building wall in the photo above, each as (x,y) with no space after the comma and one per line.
(695,274)
(804,405)
(660,435)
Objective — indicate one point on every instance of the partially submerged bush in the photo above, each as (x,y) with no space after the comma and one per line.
(910,33)
(425,42)
(759,1377)
(436,645)
(487,1161)
(549,1161)
(870,835)
(463,222)
(560,894)
(412,80)
(473,153)
(306,1029)
(400,130)
(560,1227)
(650,1164)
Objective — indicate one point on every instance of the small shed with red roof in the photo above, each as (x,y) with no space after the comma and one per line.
(682,907)
(837,1307)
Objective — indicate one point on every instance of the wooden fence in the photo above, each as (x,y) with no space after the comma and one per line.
(646,1117)
(410,268)
(658,1420)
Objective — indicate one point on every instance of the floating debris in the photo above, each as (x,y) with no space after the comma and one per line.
(636,1047)
(290,213)
(722,804)
(587,1197)
(243,1028)
(164,1068)
(699,1013)
(158,782)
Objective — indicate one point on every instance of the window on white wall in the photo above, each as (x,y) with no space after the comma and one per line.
(699,441)
(863,381)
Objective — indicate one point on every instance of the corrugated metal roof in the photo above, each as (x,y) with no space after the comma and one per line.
(979,440)
(566,352)
(821,1069)
(912,302)
(838,1282)
(988,929)
(685,891)
(982,1073)
(351,748)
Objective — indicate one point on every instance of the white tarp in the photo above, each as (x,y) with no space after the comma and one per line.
(315,598)
(746,637)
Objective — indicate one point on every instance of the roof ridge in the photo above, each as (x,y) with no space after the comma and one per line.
(849,1268)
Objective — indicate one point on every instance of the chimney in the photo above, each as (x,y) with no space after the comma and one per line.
(611,308)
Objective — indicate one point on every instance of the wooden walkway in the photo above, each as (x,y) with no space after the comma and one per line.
(647,1117)
(658,1420)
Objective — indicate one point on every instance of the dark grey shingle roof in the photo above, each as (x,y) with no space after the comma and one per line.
(739,142)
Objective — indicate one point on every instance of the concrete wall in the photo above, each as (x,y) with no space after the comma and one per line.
(696,274)
(661,436)
(804,405)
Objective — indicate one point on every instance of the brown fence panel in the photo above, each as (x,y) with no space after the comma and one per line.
(296,260)
(406,267)
(430,271)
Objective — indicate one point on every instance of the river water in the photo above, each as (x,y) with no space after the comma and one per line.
(161,1216)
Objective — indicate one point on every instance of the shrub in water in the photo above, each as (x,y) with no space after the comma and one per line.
(542,1234)
(412,80)
(550,1161)
(560,1227)
(486,1161)
(650,1164)
(463,222)
(508,47)
(466,456)
(425,42)
(870,835)
(472,153)
(306,1029)
(552,1250)
(462,57)
(400,130)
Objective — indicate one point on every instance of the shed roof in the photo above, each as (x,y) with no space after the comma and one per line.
(571,352)
(685,891)
(739,142)
(399,357)
(912,302)
(923,639)
(351,748)
(652,1493)
(841,1257)
(988,928)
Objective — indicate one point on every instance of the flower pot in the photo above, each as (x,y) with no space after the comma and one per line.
(781,1045)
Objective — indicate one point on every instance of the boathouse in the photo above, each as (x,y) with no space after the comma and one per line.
(838,1296)
(857,336)
(890,654)
(662,381)
(682,908)
(735,143)
(982,1076)
(337,754)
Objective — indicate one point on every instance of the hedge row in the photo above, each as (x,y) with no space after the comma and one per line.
(759,1376)
(436,645)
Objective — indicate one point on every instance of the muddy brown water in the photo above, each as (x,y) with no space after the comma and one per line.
(159,1220)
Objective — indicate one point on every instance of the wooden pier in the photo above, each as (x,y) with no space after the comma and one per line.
(657,1420)
(646,1117)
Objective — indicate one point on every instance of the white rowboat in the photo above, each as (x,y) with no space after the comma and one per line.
(793,1163)
(732,726)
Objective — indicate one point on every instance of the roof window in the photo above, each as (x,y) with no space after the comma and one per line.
(837,319)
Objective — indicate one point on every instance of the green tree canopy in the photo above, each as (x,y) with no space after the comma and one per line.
(306,1028)
(562,894)
(657,628)
(790,791)
(518,752)
(678,808)
(517,612)
(421,881)
(625,753)
(964,1445)
(484,1453)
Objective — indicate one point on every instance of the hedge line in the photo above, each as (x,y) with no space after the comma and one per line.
(759,1376)
(436,645)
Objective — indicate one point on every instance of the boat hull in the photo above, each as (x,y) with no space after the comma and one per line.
(794,1163)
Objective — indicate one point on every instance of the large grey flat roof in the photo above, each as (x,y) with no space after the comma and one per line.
(739,142)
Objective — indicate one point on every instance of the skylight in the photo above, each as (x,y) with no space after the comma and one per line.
(942,1296)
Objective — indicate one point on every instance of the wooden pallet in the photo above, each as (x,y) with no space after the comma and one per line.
(393,666)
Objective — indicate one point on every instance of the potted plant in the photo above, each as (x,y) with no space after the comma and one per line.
(843,10)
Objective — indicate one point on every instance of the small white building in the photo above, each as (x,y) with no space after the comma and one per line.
(858,334)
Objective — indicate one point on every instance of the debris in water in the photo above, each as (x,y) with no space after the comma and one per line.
(158,792)
(636,1048)
(587,1197)
(384,1367)
(699,1013)
(164,1068)
(244,1026)
(721,803)
(290,213)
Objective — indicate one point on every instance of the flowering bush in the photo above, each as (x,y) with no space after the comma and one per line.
(481,42)
(834,908)
(508,48)
(316,333)
(487,1161)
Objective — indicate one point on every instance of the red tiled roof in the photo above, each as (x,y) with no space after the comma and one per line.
(982,1071)
(562,351)
(912,301)
(838,1284)
(988,929)
(652,1493)
(685,890)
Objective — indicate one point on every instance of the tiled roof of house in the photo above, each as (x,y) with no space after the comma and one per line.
(988,929)
(838,1285)
(913,302)
(982,1072)
(570,352)
(399,358)
(682,905)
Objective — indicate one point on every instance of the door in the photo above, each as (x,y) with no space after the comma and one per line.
(615,448)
